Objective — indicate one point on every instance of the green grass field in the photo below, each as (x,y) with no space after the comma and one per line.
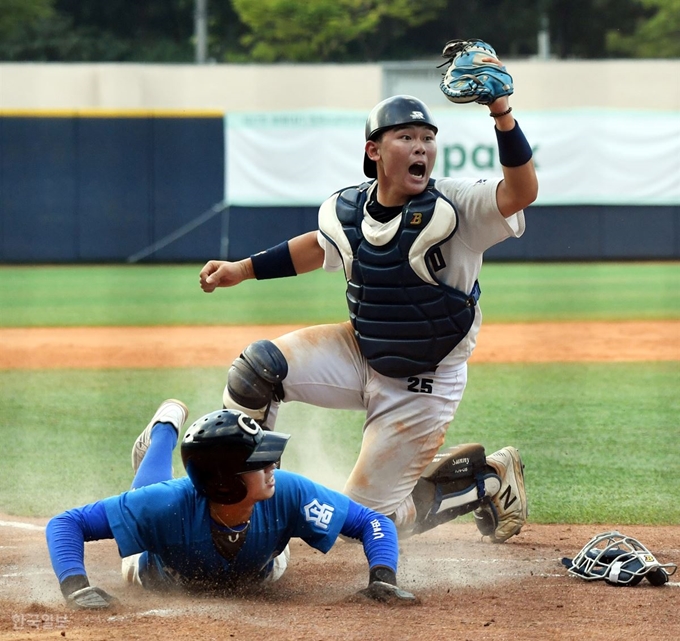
(600,441)
(53,296)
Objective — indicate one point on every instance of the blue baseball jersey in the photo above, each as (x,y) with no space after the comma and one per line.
(171,522)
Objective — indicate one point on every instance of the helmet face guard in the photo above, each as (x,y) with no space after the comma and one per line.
(618,560)
(221,446)
(395,111)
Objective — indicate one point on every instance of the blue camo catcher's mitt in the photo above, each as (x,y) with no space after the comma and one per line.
(468,79)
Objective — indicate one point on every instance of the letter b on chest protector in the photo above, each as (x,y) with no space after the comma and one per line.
(405,318)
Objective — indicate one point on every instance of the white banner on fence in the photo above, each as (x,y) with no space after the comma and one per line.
(582,157)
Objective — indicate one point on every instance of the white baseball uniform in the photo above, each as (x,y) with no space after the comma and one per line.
(406,418)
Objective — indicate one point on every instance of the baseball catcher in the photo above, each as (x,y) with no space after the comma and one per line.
(411,247)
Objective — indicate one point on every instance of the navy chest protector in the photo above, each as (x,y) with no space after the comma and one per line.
(404,325)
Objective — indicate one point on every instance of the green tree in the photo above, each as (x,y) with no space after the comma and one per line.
(655,36)
(577,28)
(115,30)
(15,14)
(331,30)
(322,30)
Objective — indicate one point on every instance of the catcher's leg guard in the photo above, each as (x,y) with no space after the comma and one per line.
(254,379)
(456,482)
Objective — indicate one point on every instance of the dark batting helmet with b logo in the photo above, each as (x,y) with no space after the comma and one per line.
(395,111)
(224,444)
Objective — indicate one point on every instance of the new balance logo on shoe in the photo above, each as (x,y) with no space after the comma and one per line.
(510,504)
(507,497)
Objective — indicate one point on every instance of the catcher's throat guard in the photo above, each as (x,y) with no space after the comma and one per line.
(618,560)
(457,481)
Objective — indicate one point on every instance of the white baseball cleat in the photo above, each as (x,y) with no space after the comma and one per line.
(170,411)
(505,515)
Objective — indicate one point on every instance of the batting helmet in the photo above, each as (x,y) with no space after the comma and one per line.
(220,446)
(395,111)
(619,560)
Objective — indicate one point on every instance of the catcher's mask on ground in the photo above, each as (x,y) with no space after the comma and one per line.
(224,444)
(619,560)
(395,111)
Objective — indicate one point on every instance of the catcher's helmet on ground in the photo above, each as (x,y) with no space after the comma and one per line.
(619,560)
(397,110)
(220,446)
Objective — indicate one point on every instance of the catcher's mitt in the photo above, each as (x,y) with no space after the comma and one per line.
(471,78)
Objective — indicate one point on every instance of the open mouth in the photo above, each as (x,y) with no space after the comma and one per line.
(417,169)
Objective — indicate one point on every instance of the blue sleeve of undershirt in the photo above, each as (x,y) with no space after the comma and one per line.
(67,532)
(377,533)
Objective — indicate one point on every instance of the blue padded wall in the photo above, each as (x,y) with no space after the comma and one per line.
(104,189)
(38,189)
(99,189)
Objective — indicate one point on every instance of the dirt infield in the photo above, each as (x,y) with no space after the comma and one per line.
(468,589)
(108,347)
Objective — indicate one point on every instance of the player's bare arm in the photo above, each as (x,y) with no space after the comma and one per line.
(306,252)
(519,187)
(299,255)
(517,190)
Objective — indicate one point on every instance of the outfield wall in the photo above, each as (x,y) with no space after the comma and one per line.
(100,188)
(126,162)
(539,85)
(144,187)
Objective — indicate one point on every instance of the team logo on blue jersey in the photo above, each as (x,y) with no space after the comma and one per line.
(319,513)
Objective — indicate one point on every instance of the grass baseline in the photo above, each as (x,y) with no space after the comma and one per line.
(599,440)
(149,295)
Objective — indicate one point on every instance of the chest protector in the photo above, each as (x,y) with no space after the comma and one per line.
(405,319)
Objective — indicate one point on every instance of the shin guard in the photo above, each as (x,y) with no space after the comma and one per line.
(456,482)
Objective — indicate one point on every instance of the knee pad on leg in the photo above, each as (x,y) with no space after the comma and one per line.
(255,378)
(456,482)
